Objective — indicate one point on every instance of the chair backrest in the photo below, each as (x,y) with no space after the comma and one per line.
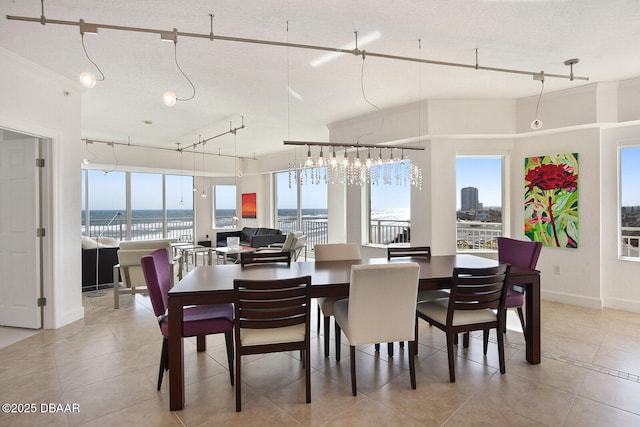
(298,246)
(382,302)
(263,304)
(155,267)
(522,253)
(290,241)
(478,289)
(129,256)
(250,258)
(415,251)
(337,251)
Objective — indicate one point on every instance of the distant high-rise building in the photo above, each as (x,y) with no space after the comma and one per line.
(469,199)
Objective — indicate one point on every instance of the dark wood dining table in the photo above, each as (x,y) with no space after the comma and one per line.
(214,284)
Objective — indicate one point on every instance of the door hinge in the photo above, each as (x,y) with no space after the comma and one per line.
(39,163)
(42,302)
(40,232)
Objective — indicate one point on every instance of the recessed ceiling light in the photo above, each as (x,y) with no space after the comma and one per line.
(362,41)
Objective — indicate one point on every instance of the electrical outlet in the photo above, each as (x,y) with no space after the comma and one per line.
(556,269)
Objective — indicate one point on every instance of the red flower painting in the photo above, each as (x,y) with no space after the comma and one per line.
(551,200)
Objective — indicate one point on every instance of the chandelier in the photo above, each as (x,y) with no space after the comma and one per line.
(362,165)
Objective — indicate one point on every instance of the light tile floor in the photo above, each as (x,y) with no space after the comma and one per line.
(107,364)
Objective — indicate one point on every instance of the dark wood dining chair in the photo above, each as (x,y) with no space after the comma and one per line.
(272,316)
(199,320)
(476,302)
(251,258)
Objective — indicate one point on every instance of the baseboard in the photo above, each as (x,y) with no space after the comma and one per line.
(622,304)
(572,299)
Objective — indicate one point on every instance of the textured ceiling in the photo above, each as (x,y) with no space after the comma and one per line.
(237,79)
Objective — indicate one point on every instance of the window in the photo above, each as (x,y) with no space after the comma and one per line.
(307,213)
(179,205)
(224,215)
(106,198)
(479,202)
(390,206)
(151,214)
(629,202)
(147,214)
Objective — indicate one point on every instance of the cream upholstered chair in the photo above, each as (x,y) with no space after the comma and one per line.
(129,267)
(332,252)
(380,308)
(272,316)
(476,302)
(294,244)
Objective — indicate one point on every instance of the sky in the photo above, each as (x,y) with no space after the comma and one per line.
(483,173)
(630,176)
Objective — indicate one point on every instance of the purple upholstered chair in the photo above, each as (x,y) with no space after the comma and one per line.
(199,321)
(518,253)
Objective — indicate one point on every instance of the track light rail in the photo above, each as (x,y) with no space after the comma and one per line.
(357,52)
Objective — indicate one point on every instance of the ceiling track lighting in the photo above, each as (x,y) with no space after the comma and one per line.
(203,195)
(87,78)
(357,52)
(169,98)
(193,146)
(88,160)
(537,123)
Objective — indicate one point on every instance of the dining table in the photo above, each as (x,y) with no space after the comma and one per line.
(214,284)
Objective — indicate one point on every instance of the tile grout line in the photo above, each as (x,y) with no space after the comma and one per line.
(586,365)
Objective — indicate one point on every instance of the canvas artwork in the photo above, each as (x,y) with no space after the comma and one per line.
(551,200)
(249,205)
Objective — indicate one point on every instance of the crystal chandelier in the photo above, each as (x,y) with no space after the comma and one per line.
(356,168)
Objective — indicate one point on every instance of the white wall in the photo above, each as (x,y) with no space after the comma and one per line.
(35,101)
(578,280)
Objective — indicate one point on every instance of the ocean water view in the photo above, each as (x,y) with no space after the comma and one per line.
(387,225)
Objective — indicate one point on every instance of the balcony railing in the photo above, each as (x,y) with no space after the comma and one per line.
(388,231)
(140,228)
(476,235)
(315,229)
(630,242)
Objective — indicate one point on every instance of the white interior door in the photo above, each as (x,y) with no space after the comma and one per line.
(19,256)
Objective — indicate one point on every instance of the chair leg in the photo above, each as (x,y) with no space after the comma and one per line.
(239,382)
(501,350)
(201,342)
(451,355)
(307,362)
(521,316)
(412,364)
(164,361)
(465,340)
(352,357)
(390,349)
(377,347)
(401,344)
(415,347)
(327,331)
(338,337)
(485,340)
(318,318)
(228,337)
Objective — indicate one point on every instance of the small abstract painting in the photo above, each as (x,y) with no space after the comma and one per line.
(249,205)
(551,200)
